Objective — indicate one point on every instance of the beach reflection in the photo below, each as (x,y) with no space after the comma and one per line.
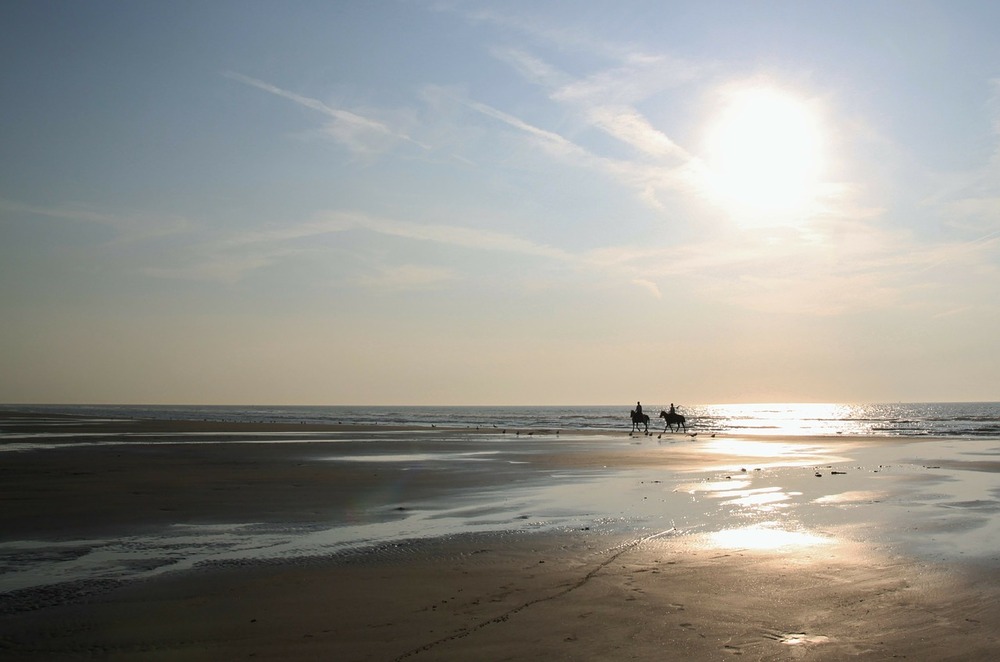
(748,448)
(766,498)
(764,536)
(739,500)
(739,493)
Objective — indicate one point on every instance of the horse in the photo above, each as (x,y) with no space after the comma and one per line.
(639,418)
(671,420)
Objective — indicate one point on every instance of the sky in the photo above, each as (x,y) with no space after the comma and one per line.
(438,202)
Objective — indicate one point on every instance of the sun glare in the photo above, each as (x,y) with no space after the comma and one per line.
(764,154)
(765,536)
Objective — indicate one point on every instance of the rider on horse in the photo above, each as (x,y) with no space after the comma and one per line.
(672,418)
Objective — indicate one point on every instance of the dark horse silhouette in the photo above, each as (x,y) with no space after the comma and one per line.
(639,418)
(671,420)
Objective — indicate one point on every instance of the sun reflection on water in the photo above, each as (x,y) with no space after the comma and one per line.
(713,486)
(764,536)
(756,509)
(812,418)
(765,498)
(749,448)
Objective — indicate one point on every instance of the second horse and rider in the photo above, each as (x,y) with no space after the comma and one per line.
(670,418)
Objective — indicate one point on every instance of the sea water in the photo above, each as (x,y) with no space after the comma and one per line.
(943,507)
(962,419)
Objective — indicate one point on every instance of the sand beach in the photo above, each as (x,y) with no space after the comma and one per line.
(199,540)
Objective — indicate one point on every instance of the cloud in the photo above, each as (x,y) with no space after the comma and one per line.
(217,268)
(970,200)
(844,256)
(356,132)
(232,258)
(127,226)
(225,261)
(649,286)
(638,77)
(533,68)
(647,179)
(563,37)
(630,127)
(994,105)
(552,142)
(453,235)
(603,101)
(407,277)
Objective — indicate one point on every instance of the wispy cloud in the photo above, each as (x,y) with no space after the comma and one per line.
(562,36)
(970,200)
(406,277)
(353,130)
(649,286)
(533,68)
(636,78)
(452,235)
(671,169)
(231,259)
(207,265)
(127,226)
(553,142)
(631,127)
(604,101)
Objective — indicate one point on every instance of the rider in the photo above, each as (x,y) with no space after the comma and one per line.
(638,408)
(672,410)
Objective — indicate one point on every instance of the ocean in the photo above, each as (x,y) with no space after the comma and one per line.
(953,419)
(289,494)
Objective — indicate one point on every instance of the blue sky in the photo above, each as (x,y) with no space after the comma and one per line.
(499,203)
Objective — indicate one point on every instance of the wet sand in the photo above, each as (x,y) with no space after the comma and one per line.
(579,546)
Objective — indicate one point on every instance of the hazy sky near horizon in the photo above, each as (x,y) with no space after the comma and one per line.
(448,202)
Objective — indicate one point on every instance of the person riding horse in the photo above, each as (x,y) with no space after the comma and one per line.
(672,418)
(639,418)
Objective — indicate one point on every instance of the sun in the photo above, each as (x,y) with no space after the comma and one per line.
(764,154)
